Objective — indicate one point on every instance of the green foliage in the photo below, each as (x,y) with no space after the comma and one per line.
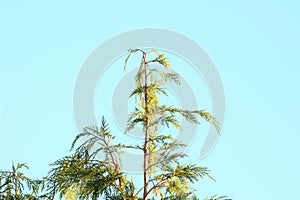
(14,183)
(216,197)
(164,177)
(94,170)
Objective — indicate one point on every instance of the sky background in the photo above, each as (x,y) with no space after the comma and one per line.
(255,46)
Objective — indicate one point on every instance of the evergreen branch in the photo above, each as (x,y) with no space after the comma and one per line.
(216,197)
(152,87)
(131,51)
(174,77)
(190,115)
(184,173)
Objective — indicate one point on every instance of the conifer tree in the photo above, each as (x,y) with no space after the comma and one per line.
(94,170)
(85,176)
(14,185)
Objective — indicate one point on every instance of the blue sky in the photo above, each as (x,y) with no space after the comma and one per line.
(255,46)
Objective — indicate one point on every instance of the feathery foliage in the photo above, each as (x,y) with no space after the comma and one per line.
(94,170)
(15,185)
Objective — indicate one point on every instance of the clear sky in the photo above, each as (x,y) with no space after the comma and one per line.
(255,46)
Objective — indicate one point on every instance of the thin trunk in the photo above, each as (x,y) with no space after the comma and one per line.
(145,149)
(16,184)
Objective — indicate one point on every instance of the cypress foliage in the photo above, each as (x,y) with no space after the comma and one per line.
(83,175)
